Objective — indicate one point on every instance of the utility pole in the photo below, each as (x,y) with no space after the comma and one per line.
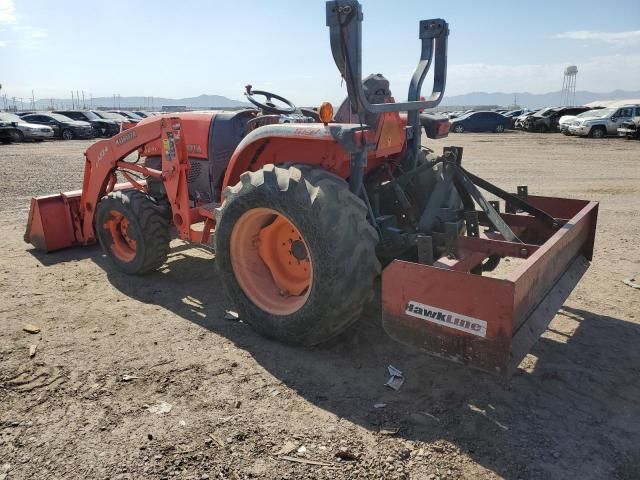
(84,105)
(73,104)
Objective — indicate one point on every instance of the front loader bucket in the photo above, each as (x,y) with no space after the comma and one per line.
(486,322)
(54,221)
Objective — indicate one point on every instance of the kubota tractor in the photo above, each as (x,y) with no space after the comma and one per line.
(304,207)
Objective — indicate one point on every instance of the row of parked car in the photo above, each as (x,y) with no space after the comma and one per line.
(65,124)
(584,121)
(595,122)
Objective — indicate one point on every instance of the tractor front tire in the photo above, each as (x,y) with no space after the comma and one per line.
(133,231)
(295,253)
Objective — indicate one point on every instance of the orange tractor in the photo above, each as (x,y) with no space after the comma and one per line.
(303,207)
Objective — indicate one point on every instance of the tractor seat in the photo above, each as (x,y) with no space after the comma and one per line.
(376,90)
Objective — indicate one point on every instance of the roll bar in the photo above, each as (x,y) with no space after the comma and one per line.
(344,19)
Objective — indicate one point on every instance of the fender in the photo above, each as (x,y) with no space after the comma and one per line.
(325,146)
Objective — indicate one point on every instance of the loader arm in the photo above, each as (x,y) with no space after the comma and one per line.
(67,219)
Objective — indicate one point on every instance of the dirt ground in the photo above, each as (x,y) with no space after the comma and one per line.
(144,378)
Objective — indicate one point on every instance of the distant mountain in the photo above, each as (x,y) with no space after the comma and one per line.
(526,99)
(147,103)
(532,100)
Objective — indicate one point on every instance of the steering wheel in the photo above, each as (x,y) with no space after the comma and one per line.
(268,106)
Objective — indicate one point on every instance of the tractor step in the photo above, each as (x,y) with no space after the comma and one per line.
(485,322)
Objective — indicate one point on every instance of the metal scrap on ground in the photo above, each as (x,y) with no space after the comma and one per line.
(396,379)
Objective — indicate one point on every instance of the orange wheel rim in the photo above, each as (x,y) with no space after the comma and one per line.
(122,245)
(271,261)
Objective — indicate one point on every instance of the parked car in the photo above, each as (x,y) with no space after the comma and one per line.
(7,132)
(547,121)
(566,120)
(127,114)
(512,115)
(63,127)
(519,121)
(143,114)
(25,130)
(121,120)
(630,129)
(603,122)
(480,122)
(102,127)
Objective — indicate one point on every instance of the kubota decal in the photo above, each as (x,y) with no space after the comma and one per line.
(311,132)
(124,138)
(446,318)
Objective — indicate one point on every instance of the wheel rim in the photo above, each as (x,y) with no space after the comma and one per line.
(499,128)
(270,260)
(122,245)
(598,133)
(67,135)
(458,129)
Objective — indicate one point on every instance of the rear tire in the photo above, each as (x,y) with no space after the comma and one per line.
(67,134)
(340,248)
(499,128)
(598,132)
(458,129)
(133,231)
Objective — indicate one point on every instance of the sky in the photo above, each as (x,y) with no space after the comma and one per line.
(172,49)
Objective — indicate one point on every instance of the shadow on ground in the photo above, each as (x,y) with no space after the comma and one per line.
(574,407)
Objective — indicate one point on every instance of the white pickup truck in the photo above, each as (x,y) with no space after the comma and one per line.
(603,122)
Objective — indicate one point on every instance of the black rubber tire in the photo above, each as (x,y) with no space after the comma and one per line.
(598,132)
(18,136)
(340,240)
(67,134)
(148,225)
